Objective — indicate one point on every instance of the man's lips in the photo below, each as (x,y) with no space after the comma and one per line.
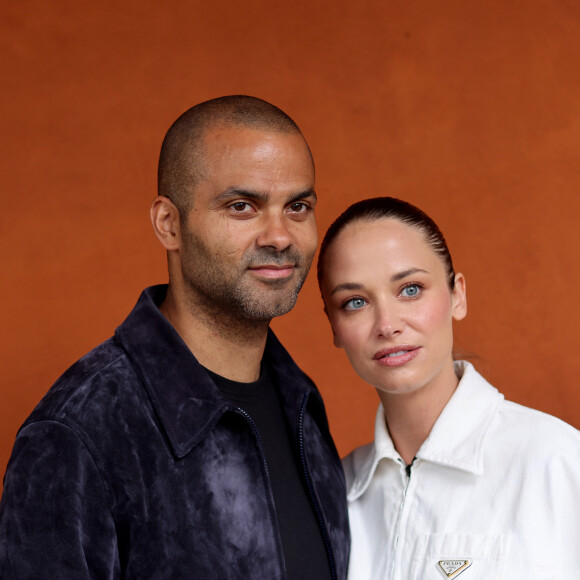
(396,355)
(274,271)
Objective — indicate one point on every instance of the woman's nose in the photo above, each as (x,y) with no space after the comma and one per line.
(388,323)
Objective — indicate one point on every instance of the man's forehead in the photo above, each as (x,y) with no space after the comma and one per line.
(249,147)
(228,135)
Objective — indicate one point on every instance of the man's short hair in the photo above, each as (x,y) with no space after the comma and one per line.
(182,158)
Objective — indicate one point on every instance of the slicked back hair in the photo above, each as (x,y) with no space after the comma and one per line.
(378,208)
(182,159)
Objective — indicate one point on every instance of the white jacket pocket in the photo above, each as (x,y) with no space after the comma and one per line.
(470,557)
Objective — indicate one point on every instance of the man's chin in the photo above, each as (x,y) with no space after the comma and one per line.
(264,308)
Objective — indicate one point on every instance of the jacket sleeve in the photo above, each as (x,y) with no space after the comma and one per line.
(55,517)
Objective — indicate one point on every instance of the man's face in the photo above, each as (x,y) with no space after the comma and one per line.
(250,236)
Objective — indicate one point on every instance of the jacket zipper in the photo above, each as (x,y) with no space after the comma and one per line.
(265,463)
(407,471)
(310,487)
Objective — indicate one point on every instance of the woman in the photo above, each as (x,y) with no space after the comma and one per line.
(458,482)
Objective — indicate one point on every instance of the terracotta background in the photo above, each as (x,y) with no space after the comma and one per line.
(469,109)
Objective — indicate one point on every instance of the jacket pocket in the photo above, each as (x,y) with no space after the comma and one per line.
(463,556)
(471,557)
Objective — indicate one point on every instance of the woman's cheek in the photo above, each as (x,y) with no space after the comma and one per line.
(439,310)
(349,333)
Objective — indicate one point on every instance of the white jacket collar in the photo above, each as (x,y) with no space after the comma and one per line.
(457,439)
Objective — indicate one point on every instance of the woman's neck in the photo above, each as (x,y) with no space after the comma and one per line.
(411,416)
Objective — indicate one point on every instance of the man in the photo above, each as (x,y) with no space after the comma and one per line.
(190,445)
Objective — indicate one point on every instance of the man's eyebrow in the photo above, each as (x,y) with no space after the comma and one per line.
(233,192)
(263,196)
(395,278)
(303,195)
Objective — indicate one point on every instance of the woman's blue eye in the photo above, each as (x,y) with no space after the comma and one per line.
(411,291)
(354,304)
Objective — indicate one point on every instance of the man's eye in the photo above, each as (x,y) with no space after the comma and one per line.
(239,205)
(411,291)
(299,207)
(354,304)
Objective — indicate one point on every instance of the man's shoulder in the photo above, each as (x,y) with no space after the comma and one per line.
(96,379)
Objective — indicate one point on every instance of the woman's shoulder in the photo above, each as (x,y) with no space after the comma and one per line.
(538,427)
(545,449)
(513,419)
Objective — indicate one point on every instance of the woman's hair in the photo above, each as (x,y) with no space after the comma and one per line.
(378,208)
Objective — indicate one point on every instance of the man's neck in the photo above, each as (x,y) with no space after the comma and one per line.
(228,346)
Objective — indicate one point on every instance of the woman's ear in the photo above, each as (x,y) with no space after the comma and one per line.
(459,298)
(165,220)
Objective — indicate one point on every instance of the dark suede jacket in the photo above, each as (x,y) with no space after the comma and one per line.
(135,466)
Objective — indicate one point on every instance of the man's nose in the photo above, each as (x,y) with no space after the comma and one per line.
(275,233)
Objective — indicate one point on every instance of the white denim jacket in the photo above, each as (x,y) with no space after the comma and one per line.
(493,493)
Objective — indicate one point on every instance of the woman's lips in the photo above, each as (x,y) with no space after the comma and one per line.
(396,355)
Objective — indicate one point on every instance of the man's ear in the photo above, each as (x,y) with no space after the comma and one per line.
(165,220)
(459,298)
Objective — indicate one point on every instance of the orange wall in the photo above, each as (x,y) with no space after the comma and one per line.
(469,109)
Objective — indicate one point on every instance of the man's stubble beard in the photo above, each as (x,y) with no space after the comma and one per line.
(228,296)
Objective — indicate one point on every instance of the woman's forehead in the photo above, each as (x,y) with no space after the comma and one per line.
(383,231)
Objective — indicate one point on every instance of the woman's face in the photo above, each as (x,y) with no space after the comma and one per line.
(390,306)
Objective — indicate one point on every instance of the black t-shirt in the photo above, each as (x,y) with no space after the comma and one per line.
(304,550)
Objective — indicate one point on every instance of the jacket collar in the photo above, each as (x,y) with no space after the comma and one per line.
(185,399)
(457,439)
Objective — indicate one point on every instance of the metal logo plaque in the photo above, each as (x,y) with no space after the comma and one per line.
(452,568)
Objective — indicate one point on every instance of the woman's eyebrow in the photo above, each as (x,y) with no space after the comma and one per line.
(395,278)
(346,286)
(405,273)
